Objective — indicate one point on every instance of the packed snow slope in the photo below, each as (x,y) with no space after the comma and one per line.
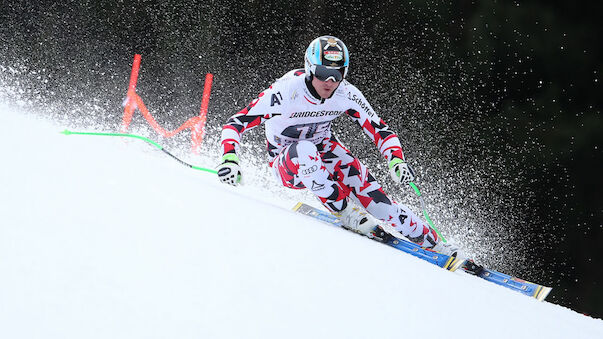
(102,238)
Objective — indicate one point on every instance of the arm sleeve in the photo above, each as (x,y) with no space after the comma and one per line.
(377,130)
(259,110)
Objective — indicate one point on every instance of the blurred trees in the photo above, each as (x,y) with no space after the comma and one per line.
(539,63)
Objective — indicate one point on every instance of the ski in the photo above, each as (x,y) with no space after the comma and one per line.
(449,263)
(531,289)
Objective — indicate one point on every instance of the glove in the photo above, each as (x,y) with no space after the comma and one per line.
(401,171)
(229,170)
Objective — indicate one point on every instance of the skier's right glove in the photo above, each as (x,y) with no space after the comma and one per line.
(401,171)
(229,170)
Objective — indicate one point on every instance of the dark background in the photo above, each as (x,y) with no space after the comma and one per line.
(497,103)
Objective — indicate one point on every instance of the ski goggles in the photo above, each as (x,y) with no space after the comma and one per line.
(324,73)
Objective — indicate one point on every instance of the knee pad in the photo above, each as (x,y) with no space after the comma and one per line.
(306,151)
(310,166)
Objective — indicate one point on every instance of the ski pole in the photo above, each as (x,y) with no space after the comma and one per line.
(418,193)
(68,132)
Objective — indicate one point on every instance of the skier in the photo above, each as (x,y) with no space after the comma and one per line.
(297,111)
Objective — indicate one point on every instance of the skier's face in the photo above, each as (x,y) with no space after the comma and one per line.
(325,88)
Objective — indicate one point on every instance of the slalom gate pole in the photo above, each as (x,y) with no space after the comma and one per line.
(198,129)
(418,193)
(151,142)
(133,101)
(130,103)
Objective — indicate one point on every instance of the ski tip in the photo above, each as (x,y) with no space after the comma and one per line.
(297,206)
(542,292)
(66,132)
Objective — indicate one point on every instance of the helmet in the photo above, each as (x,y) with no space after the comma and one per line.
(326,58)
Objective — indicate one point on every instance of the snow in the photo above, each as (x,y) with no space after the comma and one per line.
(104,238)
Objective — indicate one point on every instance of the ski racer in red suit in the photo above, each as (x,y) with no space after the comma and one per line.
(297,111)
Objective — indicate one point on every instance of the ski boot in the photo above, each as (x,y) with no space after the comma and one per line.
(359,221)
(445,248)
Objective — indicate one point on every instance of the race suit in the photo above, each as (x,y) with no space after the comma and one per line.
(304,153)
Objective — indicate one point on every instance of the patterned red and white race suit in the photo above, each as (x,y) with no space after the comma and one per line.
(305,154)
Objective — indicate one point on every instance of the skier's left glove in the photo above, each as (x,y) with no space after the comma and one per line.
(229,170)
(401,171)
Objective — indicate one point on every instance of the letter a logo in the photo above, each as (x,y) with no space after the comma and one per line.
(274,99)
